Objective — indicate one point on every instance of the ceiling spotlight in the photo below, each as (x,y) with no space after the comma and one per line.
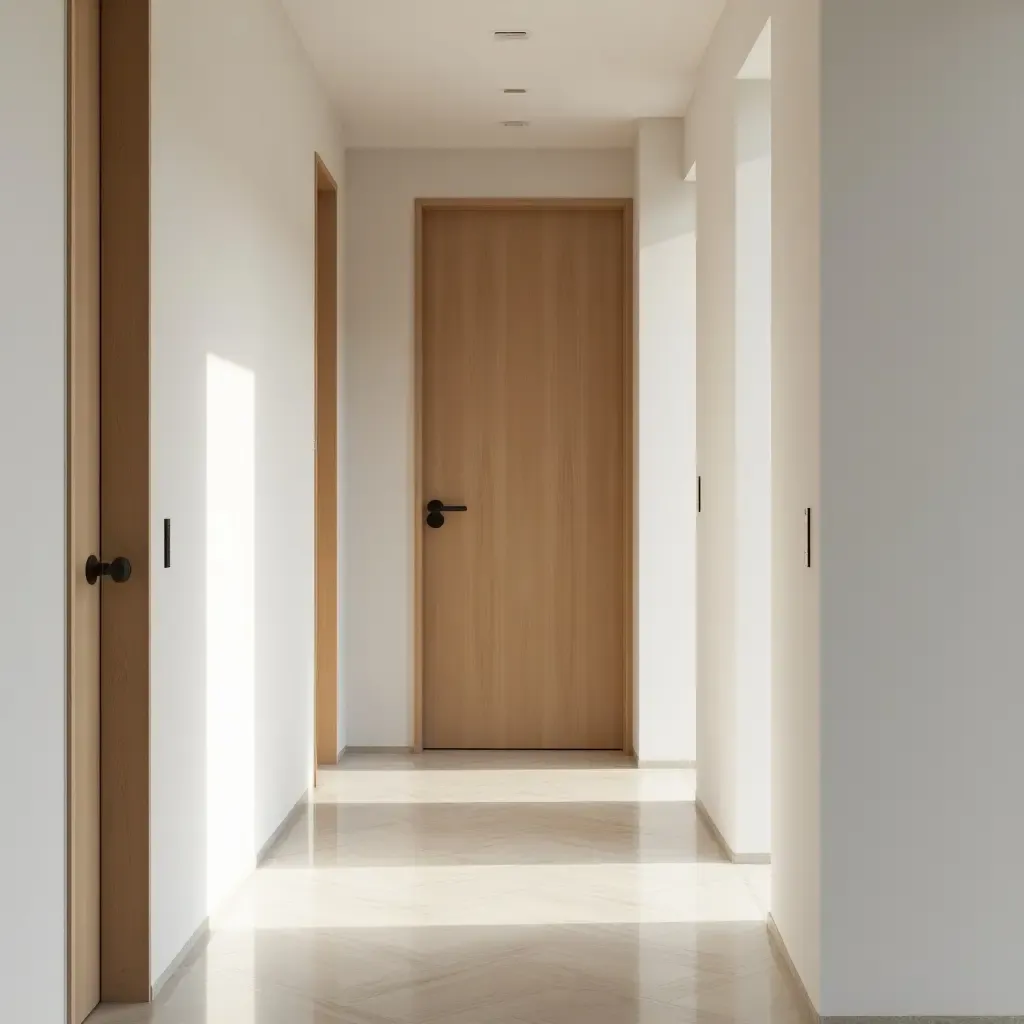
(517,36)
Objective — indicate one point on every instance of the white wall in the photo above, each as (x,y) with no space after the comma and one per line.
(377,389)
(237,116)
(922,506)
(665,210)
(710,125)
(734,275)
(32,503)
(749,830)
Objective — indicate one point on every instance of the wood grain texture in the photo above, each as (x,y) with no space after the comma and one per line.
(83,508)
(124,381)
(630,492)
(326,467)
(524,420)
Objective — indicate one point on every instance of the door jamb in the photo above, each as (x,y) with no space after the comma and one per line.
(326,695)
(629,430)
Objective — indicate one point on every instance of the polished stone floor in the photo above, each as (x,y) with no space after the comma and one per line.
(489,889)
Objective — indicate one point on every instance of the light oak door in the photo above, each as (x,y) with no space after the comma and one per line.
(108,511)
(84,510)
(524,353)
(326,467)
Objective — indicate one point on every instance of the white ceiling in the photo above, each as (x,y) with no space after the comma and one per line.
(428,72)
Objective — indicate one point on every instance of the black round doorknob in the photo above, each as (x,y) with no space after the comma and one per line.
(119,570)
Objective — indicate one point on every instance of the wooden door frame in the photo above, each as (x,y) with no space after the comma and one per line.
(124,257)
(325,357)
(625,207)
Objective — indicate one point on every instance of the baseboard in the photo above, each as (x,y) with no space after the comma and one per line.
(195,945)
(702,813)
(326,766)
(730,855)
(690,765)
(378,750)
(810,1013)
(781,954)
(202,934)
(289,820)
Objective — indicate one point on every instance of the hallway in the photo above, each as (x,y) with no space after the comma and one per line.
(489,889)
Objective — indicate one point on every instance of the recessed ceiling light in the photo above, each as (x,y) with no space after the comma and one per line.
(517,36)
(514,92)
(515,124)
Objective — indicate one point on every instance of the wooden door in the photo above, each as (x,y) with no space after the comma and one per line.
(525,347)
(108,851)
(84,510)
(326,466)
(125,500)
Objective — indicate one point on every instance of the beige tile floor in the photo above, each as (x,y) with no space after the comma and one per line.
(489,889)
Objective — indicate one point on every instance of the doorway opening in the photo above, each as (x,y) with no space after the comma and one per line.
(327,726)
(108,505)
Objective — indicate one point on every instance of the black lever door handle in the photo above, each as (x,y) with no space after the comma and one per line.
(436,510)
(119,570)
(440,506)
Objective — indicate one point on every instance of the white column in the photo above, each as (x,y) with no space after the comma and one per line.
(666,448)
(922,358)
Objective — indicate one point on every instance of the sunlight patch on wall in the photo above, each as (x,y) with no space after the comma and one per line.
(230,624)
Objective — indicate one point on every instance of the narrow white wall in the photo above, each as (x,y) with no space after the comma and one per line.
(795,771)
(734,282)
(751,811)
(236,118)
(377,390)
(716,403)
(32,509)
(665,210)
(922,506)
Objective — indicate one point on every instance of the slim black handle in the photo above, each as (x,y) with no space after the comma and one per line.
(436,510)
(119,570)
